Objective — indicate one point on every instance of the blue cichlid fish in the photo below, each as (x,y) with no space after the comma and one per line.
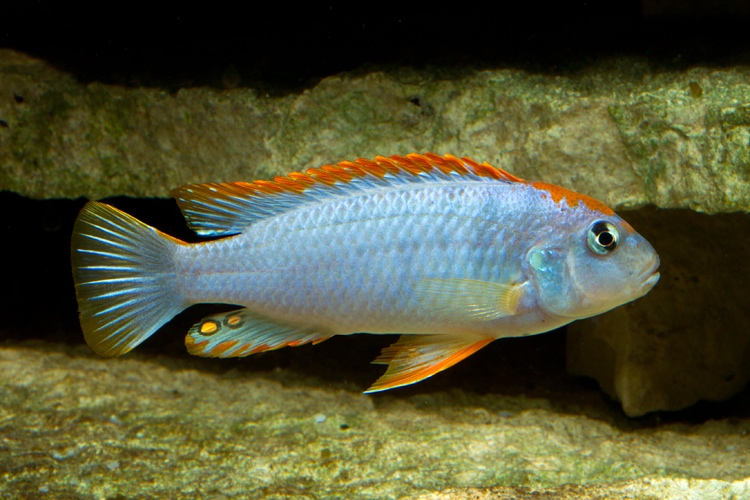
(449,252)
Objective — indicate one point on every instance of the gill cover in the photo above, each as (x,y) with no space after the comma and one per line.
(550,271)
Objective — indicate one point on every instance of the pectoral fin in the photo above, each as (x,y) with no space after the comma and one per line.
(416,357)
(459,300)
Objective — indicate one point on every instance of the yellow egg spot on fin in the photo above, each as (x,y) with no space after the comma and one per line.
(234,320)
(416,357)
(247,333)
(209,328)
(459,300)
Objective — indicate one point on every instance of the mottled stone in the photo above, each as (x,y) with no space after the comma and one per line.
(616,131)
(644,489)
(76,426)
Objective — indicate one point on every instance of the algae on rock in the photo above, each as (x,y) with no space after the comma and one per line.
(75,424)
(615,131)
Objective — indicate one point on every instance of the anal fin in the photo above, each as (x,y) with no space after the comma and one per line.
(416,357)
(241,333)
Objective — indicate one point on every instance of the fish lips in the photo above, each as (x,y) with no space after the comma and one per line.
(650,276)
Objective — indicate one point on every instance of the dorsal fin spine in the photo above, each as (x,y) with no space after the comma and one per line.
(227,208)
(269,187)
(293,183)
(372,166)
(320,175)
(390,166)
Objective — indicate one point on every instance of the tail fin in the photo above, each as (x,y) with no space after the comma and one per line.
(125,279)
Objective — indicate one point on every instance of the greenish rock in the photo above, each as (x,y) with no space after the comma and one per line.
(616,131)
(646,489)
(77,426)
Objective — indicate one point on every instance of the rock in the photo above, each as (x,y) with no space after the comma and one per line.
(689,339)
(644,489)
(616,131)
(78,426)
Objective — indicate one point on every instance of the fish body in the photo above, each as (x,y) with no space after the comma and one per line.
(358,264)
(450,253)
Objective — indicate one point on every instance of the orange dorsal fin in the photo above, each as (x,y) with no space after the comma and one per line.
(572,198)
(416,357)
(229,207)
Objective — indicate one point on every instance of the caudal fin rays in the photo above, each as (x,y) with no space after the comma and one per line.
(124,278)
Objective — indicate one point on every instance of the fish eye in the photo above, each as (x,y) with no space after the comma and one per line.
(602,237)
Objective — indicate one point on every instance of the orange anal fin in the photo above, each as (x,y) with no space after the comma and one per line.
(414,358)
(242,333)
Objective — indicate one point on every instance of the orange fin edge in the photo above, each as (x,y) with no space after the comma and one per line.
(342,172)
(414,358)
(218,209)
(241,333)
(572,198)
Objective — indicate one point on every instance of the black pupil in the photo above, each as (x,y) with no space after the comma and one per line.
(605,238)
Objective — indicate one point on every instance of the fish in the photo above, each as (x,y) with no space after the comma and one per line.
(447,252)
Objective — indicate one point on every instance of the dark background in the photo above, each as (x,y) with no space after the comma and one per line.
(281,48)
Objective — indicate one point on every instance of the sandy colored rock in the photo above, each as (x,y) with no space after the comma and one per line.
(74,425)
(644,489)
(616,131)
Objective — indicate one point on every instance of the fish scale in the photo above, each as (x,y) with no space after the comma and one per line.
(391,249)
(449,252)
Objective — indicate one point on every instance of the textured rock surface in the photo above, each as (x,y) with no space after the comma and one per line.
(76,426)
(647,489)
(618,131)
(689,339)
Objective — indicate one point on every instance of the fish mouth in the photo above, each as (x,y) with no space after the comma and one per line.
(650,276)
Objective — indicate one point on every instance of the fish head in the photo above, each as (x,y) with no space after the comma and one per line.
(594,263)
